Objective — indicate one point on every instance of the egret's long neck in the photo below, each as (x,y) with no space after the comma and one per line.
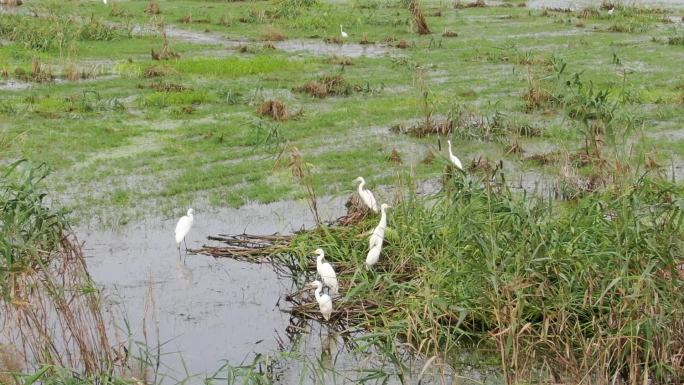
(317,293)
(319,259)
(450,153)
(383,217)
(363,182)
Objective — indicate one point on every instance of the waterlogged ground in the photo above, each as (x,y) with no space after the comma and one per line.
(134,141)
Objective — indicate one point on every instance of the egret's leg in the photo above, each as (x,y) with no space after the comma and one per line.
(179,252)
(186,246)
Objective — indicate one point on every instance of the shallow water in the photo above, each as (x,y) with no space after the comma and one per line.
(208,310)
(318,47)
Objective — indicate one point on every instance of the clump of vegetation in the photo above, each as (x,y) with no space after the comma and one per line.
(43,278)
(449,33)
(474,4)
(272,33)
(395,157)
(364,39)
(558,291)
(328,85)
(158,71)
(275,109)
(152,8)
(418,18)
(57,32)
(676,40)
(38,73)
(165,53)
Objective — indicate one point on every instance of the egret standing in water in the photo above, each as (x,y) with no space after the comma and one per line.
(366,195)
(379,232)
(324,300)
(342,33)
(453,158)
(326,271)
(183,228)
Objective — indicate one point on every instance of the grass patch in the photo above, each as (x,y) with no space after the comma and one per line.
(558,291)
(234,67)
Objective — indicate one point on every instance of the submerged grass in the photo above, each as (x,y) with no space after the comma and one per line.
(585,292)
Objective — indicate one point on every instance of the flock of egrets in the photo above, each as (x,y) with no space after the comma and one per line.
(325,269)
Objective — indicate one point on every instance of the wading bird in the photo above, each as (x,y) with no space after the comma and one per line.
(610,11)
(183,228)
(342,33)
(366,195)
(326,271)
(453,158)
(373,255)
(104,2)
(324,300)
(378,234)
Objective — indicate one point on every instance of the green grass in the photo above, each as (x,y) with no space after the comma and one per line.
(552,290)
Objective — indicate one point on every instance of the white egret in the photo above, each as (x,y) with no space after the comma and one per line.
(610,11)
(379,232)
(453,158)
(326,271)
(366,195)
(183,227)
(324,300)
(373,255)
(342,33)
(104,2)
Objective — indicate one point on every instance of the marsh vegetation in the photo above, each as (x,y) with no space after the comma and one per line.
(555,257)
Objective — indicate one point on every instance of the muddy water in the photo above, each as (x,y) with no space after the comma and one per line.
(207,310)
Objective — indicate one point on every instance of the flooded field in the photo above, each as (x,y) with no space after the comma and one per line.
(531,154)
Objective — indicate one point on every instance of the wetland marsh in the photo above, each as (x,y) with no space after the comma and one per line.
(556,256)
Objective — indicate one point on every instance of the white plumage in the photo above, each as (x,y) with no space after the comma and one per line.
(610,11)
(184,225)
(366,195)
(379,232)
(326,271)
(342,33)
(324,300)
(373,255)
(453,158)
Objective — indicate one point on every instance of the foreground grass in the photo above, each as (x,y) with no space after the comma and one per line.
(582,292)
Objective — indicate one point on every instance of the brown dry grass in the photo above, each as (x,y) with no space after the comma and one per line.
(13,3)
(449,33)
(419,18)
(403,44)
(158,71)
(429,157)
(395,157)
(364,40)
(152,8)
(341,60)
(334,40)
(474,4)
(186,19)
(165,53)
(275,109)
(9,363)
(272,33)
(52,319)
(326,86)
